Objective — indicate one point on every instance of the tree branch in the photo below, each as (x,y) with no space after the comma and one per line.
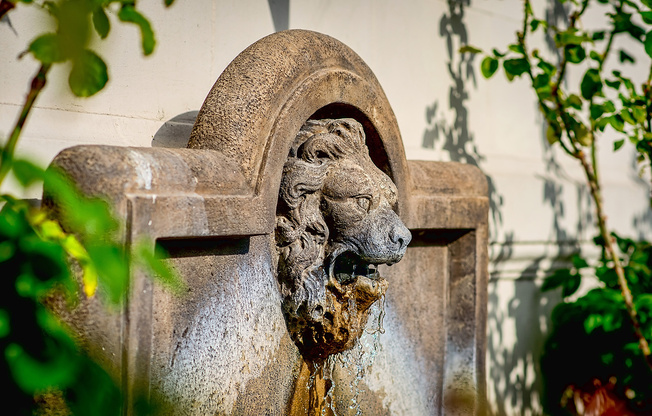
(7,157)
(5,7)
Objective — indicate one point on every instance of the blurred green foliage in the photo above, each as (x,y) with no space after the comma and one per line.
(75,19)
(591,337)
(71,248)
(38,257)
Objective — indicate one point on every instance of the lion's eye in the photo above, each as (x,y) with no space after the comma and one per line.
(364,202)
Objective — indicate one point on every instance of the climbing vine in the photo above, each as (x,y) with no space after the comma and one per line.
(604,335)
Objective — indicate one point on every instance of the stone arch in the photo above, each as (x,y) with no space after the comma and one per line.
(261,100)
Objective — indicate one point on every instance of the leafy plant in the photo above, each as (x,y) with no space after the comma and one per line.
(591,343)
(41,365)
(605,333)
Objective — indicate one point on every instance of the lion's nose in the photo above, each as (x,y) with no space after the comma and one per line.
(401,236)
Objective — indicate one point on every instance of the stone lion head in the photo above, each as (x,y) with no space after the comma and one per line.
(335,224)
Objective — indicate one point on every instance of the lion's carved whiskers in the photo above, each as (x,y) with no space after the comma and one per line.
(335,223)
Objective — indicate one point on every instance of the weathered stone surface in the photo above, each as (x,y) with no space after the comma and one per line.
(335,224)
(224,348)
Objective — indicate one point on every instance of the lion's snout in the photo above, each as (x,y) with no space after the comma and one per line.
(401,237)
(385,238)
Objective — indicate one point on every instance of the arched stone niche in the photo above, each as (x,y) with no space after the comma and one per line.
(223,348)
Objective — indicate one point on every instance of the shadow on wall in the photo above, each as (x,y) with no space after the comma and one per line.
(175,132)
(280,10)
(518,313)
(454,137)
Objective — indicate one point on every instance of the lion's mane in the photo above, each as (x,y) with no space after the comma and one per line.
(301,232)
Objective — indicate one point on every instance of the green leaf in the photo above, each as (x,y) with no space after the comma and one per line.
(32,375)
(168,3)
(595,56)
(47,48)
(516,67)
(623,23)
(541,80)
(648,43)
(627,116)
(88,75)
(488,66)
(27,173)
(611,321)
(574,53)
(552,134)
(555,280)
(470,49)
(101,22)
(547,67)
(571,285)
(615,84)
(596,111)
(579,262)
(639,114)
(617,122)
(569,37)
(618,144)
(591,83)
(582,134)
(599,35)
(497,53)
(7,250)
(592,322)
(129,14)
(113,269)
(515,47)
(647,17)
(5,323)
(574,101)
(625,57)
(643,301)
(534,25)
(569,282)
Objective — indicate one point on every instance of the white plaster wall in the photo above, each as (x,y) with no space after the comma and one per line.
(445,109)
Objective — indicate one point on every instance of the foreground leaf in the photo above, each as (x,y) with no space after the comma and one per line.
(648,43)
(488,66)
(88,75)
(130,14)
(47,48)
(591,83)
(101,22)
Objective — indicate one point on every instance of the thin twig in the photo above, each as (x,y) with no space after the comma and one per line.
(5,7)
(522,36)
(7,157)
(613,255)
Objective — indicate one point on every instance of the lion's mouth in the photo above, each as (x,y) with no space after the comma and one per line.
(348,266)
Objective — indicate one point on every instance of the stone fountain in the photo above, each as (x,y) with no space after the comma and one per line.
(326,273)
